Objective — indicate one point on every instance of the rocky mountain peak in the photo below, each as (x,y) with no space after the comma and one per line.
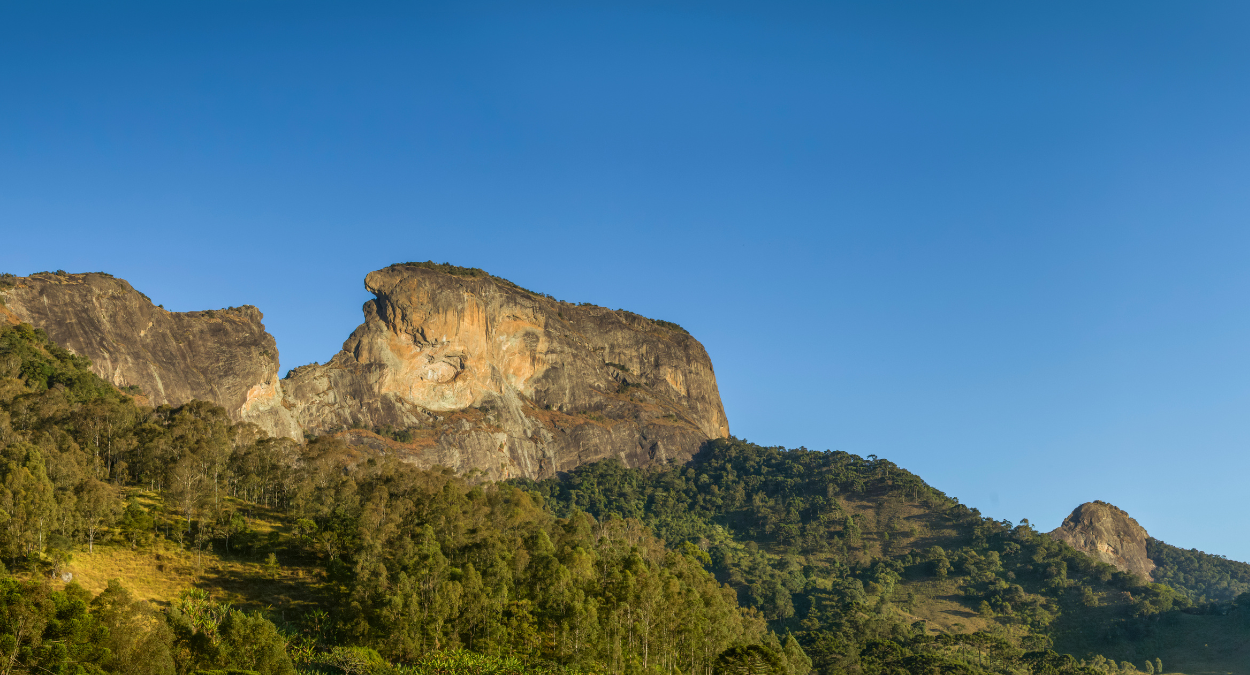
(535,385)
(1109,534)
(452,366)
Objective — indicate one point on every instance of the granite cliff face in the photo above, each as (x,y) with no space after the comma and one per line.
(223,356)
(1108,534)
(451,367)
(472,372)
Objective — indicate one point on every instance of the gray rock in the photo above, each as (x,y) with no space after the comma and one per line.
(224,356)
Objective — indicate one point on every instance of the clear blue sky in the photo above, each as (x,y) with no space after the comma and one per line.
(1004,245)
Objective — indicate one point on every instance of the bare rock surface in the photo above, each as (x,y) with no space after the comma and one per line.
(224,356)
(1108,534)
(476,373)
(451,367)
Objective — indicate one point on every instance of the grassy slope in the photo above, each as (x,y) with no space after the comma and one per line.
(1187,643)
(160,570)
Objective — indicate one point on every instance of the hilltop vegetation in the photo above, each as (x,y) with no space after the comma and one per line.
(846,552)
(1200,576)
(262,554)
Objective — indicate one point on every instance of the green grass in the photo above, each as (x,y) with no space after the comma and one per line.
(158,571)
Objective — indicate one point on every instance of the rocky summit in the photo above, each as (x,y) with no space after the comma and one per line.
(482,374)
(452,367)
(1108,534)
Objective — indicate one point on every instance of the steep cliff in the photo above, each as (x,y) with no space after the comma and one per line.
(1108,534)
(224,356)
(470,371)
(451,367)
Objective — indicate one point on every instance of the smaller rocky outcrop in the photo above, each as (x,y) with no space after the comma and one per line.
(223,356)
(1107,533)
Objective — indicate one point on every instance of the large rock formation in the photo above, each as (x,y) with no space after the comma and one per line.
(473,372)
(451,367)
(224,356)
(1108,534)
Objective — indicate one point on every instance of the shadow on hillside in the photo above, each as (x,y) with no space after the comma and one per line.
(290,589)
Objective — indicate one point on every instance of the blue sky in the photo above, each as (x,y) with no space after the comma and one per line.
(1001,244)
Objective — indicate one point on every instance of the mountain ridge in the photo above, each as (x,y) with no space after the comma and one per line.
(535,385)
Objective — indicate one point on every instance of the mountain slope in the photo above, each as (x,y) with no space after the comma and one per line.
(1201,576)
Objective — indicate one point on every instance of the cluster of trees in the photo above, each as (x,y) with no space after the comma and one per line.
(70,443)
(68,631)
(427,561)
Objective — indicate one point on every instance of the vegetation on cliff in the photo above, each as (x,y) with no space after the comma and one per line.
(411,562)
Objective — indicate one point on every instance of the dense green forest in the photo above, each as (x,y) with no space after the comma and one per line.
(752,559)
(1200,576)
(845,551)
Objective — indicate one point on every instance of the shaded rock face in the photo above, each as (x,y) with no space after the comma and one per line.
(481,374)
(1108,534)
(223,356)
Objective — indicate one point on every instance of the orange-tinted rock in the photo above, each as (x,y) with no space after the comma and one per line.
(462,369)
(535,370)
(1108,534)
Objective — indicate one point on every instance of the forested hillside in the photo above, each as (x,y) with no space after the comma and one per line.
(847,551)
(407,562)
(1201,576)
(197,544)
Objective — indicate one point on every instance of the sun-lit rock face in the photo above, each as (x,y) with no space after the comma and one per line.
(1109,534)
(223,356)
(451,367)
(534,385)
